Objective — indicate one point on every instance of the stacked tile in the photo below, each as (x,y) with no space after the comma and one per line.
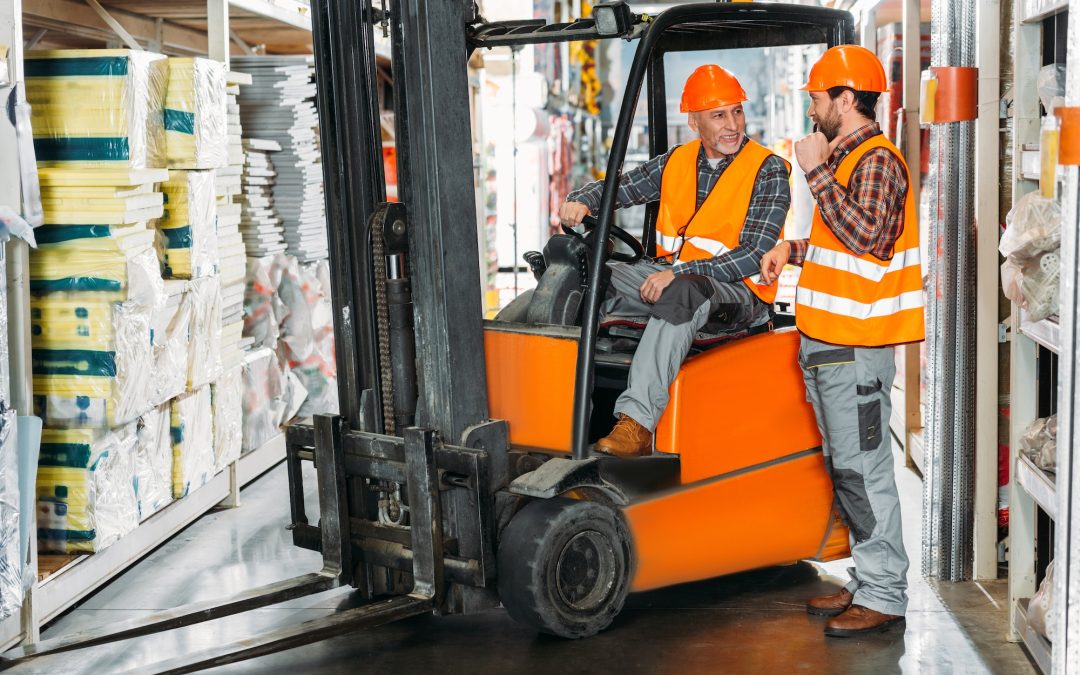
(85,488)
(196,129)
(97,107)
(154,461)
(226,398)
(232,254)
(187,233)
(260,225)
(192,441)
(280,106)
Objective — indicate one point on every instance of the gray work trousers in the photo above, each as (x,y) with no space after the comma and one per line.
(849,388)
(666,343)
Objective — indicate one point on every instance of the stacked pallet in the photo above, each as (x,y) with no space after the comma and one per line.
(124,361)
(260,225)
(280,106)
(232,262)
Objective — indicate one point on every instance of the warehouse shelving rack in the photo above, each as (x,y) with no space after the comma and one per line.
(214,28)
(1037,499)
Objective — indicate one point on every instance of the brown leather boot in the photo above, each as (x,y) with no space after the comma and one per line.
(859,620)
(830,605)
(627,439)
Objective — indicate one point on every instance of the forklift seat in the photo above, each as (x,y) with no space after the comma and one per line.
(621,334)
(557,298)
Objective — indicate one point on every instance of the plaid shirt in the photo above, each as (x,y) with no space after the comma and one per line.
(764,218)
(868,216)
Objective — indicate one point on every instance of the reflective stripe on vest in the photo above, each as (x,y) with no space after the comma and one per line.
(845,262)
(851,299)
(715,227)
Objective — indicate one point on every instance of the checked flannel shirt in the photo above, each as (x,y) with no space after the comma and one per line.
(764,218)
(868,216)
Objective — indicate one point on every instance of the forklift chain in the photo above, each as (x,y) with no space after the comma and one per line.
(382,311)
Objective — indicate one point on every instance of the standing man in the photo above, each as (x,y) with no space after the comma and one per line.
(723,201)
(859,295)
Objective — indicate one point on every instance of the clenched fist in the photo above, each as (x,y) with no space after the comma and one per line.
(571,213)
(812,151)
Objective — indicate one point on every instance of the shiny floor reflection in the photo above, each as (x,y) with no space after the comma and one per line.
(748,623)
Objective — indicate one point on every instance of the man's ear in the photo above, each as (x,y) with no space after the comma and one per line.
(848,98)
(691,119)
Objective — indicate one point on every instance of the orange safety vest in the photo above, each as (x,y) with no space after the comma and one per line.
(715,227)
(859,300)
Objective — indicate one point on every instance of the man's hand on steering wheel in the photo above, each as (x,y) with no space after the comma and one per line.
(572,213)
(615,232)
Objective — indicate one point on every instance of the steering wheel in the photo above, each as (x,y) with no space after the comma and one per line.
(638,251)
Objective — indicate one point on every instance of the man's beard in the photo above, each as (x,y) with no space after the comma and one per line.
(830,126)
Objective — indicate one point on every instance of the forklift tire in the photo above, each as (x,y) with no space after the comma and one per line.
(564,566)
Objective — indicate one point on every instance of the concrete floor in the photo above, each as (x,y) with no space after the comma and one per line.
(748,623)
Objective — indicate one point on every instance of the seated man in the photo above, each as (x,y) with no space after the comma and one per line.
(723,201)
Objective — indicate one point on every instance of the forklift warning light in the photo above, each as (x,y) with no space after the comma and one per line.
(612,18)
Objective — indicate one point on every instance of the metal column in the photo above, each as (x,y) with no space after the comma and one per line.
(949,465)
(1067,546)
(434,154)
(343,37)
(987,219)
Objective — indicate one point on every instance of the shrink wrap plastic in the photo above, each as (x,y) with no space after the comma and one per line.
(93,361)
(98,106)
(169,327)
(192,442)
(196,126)
(154,461)
(11,584)
(307,333)
(264,404)
(1030,275)
(202,309)
(85,489)
(187,233)
(227,395)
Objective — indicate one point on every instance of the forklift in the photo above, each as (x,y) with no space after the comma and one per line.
(458,475)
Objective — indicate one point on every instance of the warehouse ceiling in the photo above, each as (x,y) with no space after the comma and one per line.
(173,27)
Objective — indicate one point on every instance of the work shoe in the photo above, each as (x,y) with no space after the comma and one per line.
(859,620)
(627,439)
(830,605)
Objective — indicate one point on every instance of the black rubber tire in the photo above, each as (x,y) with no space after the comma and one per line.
(551,544)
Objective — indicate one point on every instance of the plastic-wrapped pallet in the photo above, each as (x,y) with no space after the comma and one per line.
(227,395)
(90,106)
(11,587)
(195,114)
(169,328)
(1030,275)
(93,360)
(263,388)
(114,260)
(85,489)
(307,333)
(154,461)
(192,441)
(261,302)
(202,305)
(187,234)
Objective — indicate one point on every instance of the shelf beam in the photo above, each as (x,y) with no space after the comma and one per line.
(77,18)
(289,12)
(988,39)
(1067,527)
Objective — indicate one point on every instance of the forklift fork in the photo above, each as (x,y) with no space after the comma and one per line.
(427,563)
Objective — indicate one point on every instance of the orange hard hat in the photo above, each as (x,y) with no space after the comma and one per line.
(847,66)
(708,87)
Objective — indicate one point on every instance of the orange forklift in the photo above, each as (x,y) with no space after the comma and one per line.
(458,475)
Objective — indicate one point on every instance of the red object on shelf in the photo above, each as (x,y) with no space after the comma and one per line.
(389,157)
